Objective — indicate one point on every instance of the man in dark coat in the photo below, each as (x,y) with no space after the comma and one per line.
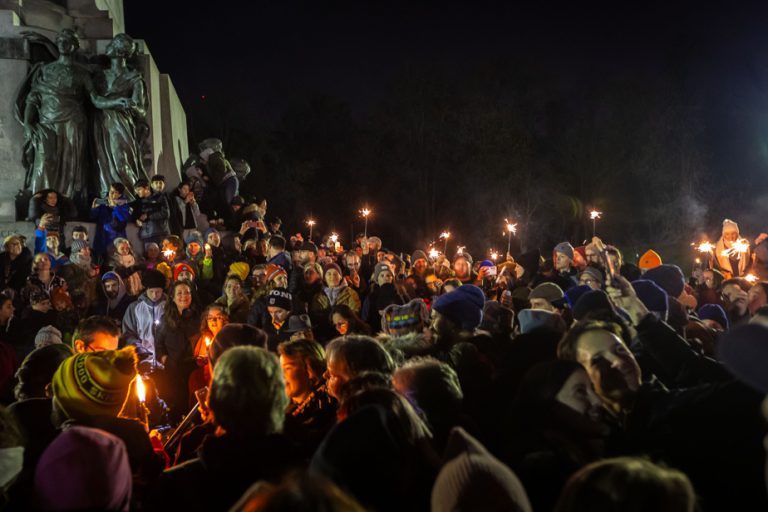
(150,213)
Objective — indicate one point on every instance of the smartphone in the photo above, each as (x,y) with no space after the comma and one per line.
(491,271)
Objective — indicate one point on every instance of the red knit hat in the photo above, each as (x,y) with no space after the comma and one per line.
(182,267)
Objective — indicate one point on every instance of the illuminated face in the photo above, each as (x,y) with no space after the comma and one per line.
(232,288)
(281,281)
(332,278)
(143,192)
(578,394)
(114,195)
(111,288)
(52,242)
(461,268)
(730,235)
(6,311)
(124,249)
(296,376)
(420,265)
(353,263)
(182,297)
(279,315)
(610,365)
(14,247)
(736,299)
(592,256)
(336,375)
(184,191)
(193,248)
(259,278)
(590,281)
(562,262)
(385,277)
(340,323)
(101,341)
(214,239)
(544,304)
(154,294)
(80,235)
(216,320)
(185,275)
(709,279)
(158,185)
(51,198)
(42,263)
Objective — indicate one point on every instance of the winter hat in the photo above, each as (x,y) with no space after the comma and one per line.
(573,295)
(94,383)
(181,267)
(547,291)
(565,248)
(473,479)
(486,263)
(463,306)
(280,298)
(594,273)
(379,268)
(399,320)
(152,279)
(141,183)
(77,246)
(314,266)
(650,259)
(84,469)
(306,245)
(744,351)
(652,295)
(496,317)
(418,255)
(375,239)
(194,237)
(669,277)
(531,319)
(591,301)
(241,269)
(209,231)
(236,335)
(48,335)
(298,323)
(332,266)
(273,271)
(465,255)
(716,313)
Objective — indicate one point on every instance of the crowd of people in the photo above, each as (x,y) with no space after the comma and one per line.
(240,369)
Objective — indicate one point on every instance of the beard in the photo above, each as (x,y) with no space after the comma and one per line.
(82,260)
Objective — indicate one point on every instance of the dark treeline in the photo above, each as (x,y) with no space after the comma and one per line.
(464,148)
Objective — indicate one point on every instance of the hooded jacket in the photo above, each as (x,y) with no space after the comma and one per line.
(113,308)
(140,323)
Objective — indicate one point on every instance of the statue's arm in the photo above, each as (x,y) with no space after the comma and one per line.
(139,98)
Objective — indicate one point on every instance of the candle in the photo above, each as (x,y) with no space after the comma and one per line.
(594,215)
(511,230)
(444,236)
(141,394)
(751,278)
(311,224)
(366,212)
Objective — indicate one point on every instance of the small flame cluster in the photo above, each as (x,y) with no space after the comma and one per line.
(311,222)
(511,228)
(445,235)
(434,253)
(740,246)
(594,214)
(494,255)
(705,247)
(366,212)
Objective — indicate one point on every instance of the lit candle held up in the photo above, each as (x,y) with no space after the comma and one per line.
(434,253)
(444,236)
(511,230)
(594,215)
(751,278)
(494,255)
(365,212)
(311,224)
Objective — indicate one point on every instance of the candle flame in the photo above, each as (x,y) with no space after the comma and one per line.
(494,255)
(705,247)
(366,212)
(141,393)
(445,235)
(511,228)
(333,238)
(698,260)
(751,278)
(594,214)
(207,341)
(168,253)
(434,253)
(310,222)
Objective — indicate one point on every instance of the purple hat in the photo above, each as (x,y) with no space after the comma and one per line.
(716,313)
(652,295)
(463,306)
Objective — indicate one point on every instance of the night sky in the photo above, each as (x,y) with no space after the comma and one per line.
(270,56)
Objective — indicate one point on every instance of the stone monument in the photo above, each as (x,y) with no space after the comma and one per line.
(25,26)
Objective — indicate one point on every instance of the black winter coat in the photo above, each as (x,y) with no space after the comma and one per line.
(177,342)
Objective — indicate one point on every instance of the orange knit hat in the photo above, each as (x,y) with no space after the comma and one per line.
(649,260)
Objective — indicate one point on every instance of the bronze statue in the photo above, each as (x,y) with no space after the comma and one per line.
(55,123)
(119,122)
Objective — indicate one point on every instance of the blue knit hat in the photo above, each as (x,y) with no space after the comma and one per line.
(714,312)
(531,319)
(652,295)
(669,277)
(572,295)
(463,306)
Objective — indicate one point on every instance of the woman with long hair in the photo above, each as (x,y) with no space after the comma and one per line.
(214,317)
(178,331)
